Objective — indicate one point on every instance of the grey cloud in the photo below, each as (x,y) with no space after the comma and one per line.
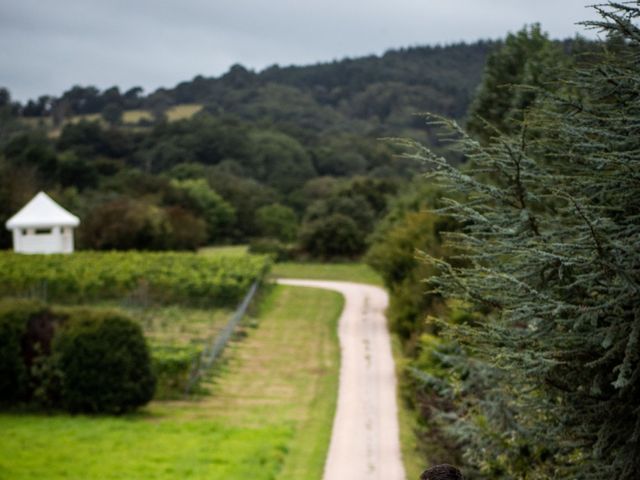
(45,47)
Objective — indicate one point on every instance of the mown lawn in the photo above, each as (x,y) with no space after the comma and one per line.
(268,414)
(136,447)
(347,272)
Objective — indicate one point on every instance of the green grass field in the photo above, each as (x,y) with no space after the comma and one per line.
(348,272)
(343,271)
(130,118)
(183,111)
(134,116)
(174,325)
(412,459)
(268,415)
(88,117)
(225,250)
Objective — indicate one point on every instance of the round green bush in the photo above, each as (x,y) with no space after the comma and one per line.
(334,236)
(104,362)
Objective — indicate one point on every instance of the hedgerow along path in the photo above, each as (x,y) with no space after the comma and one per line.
(365,437)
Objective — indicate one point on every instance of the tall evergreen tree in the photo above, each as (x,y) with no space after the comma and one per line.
(549,383)
(525,61)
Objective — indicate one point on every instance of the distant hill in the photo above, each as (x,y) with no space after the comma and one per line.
(375,95)
(368,93)
(286,154)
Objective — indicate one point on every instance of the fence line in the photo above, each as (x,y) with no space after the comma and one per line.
(211,352)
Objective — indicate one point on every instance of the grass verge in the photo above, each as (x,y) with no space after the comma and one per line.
(225,250)
(347,272)
(412,459)
(269,415)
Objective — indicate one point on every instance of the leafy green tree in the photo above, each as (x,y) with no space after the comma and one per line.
(158,103)
(89,139)
(9,116)
(125,224)
(410,227)
(80,100)
(112,114)
(513,75)
(132,98)
(333,236)
(32,149)
(187,171)
(247,196)
(188,232)
(239,77)
(164,154)
(76,172)
(201,198)
(280,160)
(375,191)
(39,108)
(339,163)
(277,221)
(355,207)
(5,97)
(548,383)
(18,185)
(318,188)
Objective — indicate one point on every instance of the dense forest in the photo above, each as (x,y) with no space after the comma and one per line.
(290,157)
(355,95)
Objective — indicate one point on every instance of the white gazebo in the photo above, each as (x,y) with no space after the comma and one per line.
(42,226)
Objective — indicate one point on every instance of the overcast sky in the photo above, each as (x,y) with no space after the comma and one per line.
(48,46)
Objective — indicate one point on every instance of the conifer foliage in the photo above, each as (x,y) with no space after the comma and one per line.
(549,383)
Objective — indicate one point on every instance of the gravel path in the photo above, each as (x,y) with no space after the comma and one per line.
(365,442)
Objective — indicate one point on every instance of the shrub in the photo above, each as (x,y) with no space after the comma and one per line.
(334,236)
(279,251)
(187,231)
(124,224)
(394,256)
(277,221)
(172,367)
(196,195)
(104,361)
(14,371)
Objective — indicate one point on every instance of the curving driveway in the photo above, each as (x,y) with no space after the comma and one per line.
(365,442)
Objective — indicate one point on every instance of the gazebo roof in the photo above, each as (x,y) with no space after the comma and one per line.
(42,212)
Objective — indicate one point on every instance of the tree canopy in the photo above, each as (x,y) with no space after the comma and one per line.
(548,378)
